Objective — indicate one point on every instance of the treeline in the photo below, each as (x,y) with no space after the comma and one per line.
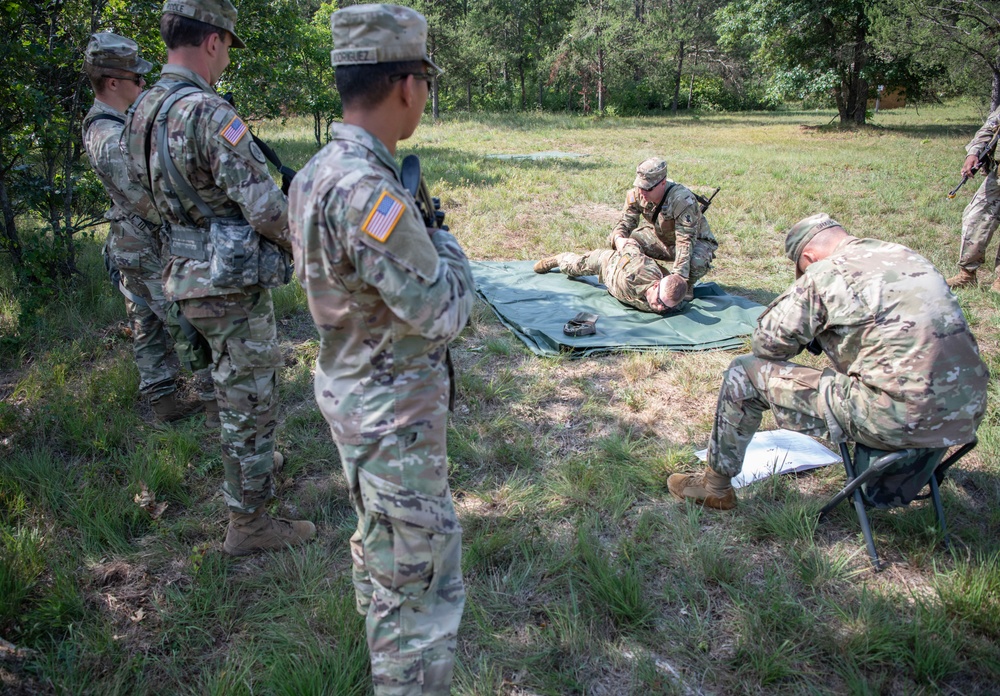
(599,57)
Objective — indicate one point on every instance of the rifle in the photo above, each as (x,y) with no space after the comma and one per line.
(983,159)
(287,173)
(705,202)
(430,210)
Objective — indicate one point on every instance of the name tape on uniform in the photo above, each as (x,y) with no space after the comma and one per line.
(382,219)
(234,131)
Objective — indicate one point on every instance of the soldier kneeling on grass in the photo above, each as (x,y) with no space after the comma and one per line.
(630,276)
(666,219)
(906,368)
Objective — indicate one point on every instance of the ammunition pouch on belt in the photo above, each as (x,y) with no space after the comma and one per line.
(237,256)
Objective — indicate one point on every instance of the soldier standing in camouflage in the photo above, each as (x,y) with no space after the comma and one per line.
(906,368)
(116,73)
(673,227)
(982,215)
(630,276)
(387,295)
(221,209)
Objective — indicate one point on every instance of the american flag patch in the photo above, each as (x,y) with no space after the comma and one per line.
(383,218)
(233,132)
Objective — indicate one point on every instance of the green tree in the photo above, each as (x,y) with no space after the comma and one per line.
(808,46)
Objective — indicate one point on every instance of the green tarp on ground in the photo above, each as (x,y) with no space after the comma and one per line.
(535,307)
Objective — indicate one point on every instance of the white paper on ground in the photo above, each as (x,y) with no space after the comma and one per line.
(779,452)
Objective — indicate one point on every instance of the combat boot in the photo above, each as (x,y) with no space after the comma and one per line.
(707,487)
(279,463)
(212,419)
(167,408)
(258,531)
(963,279)
(546,264)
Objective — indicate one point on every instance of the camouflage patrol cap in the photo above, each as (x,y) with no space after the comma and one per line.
(650,173)
(107,51)
(672,290)
(218,13)
(369,34)
(802,232)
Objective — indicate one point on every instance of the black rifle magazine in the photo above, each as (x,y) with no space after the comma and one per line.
(583,324)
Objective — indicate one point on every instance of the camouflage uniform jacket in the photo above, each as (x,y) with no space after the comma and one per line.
(100,140)
(628,274)
(215,153)
(386,296)
(679,224)
(901,349)
(984,134)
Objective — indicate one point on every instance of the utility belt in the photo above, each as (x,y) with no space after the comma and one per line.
(142,223)
(237,256)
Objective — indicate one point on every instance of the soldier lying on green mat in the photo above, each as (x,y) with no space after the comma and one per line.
(630,276)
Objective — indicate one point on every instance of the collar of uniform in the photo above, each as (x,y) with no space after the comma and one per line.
(177,71)
(105,108)
(358,135)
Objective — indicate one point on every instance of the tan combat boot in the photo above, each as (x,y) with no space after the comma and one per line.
(259,531)
(546,264)
(707,487)
(168,408)
(279,463)
(212,419)
(963,279)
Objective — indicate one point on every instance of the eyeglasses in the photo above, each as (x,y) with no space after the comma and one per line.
(137,79)
(425,76)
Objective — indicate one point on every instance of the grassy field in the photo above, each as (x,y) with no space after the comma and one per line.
(583,575)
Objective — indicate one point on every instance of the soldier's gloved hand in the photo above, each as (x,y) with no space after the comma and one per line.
(287,175)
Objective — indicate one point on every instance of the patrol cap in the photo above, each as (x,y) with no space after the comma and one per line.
(369,34)
(802,232)
(218,13)
(650,173)
(107,51)
(672,290)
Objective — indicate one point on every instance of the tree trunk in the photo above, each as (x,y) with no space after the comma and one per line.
(520,77)
(857,86)
(541,93)
(995,92)
(677,82)
(435,100)
(317,126)
(600,81)
(468,94)
(11,242)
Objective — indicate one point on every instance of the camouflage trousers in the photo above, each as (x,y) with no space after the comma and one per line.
(654,247)
(575,265)
(135,252)
(407,556)
(819,403)
(241,331)
(979,222)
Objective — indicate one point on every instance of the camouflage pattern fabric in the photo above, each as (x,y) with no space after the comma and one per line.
(215,154)
(906,368)
(680,233)
(387,297)
(627,274)
(982,214)
(979,221)
(134,247)
(241,331)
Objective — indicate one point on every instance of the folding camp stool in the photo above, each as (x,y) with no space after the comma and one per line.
(884,479)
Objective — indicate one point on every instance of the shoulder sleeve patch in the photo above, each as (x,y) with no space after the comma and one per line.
(630,199)
(234,131)
(382,219)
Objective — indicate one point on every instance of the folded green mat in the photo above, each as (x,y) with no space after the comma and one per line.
(536,306)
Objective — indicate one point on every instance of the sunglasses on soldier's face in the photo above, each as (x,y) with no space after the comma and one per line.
(425,76)
(137,79)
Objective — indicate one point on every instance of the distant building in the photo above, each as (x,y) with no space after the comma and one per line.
(888,97)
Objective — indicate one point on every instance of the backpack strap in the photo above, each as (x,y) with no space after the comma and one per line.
(102,117)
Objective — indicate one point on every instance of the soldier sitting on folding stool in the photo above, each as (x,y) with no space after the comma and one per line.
(906,368)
